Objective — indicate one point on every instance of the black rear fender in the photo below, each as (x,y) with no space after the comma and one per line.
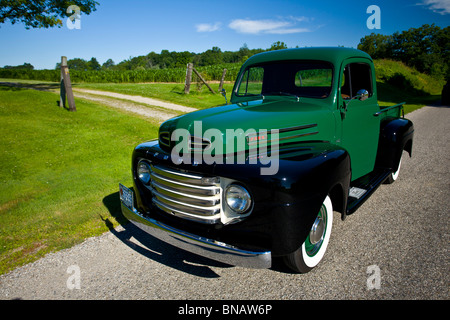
(396,135)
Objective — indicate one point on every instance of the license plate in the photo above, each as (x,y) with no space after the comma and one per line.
(126,196)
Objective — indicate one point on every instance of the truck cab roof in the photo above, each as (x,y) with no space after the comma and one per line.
(334,55)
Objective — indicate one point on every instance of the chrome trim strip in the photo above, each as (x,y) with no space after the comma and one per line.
(199,143)
(178,175)
(284,138)
(306,126)
(185,215)
(164,135)
(287,129)
(182,196)
(205,247)
(282,130)
(183,187)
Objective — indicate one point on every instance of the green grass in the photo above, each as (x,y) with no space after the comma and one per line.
(59,172)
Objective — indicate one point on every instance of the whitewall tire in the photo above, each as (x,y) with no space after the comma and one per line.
(308,256)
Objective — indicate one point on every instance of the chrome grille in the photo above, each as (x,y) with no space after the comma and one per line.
(186,195)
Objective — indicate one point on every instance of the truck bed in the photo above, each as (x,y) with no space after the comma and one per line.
(395,111)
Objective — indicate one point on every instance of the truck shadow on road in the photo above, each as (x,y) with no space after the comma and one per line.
(156,249)
(162,252)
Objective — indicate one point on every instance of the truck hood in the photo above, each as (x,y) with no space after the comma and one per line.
(296,121)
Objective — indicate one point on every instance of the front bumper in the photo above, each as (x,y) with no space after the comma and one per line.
(205,247)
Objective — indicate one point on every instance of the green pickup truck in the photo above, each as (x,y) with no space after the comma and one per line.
(259,178)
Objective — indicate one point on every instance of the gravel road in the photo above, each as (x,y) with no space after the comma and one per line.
(158,113)
(138,99)
(144,106)
(400,234)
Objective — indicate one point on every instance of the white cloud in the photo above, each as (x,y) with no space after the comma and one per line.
(301,19)
(248,26)
(438,6)
(207,27)
(255,26)
(288,31)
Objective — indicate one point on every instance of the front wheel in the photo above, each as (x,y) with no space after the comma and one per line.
(305,258)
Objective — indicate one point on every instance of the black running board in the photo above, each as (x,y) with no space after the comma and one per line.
(362,188)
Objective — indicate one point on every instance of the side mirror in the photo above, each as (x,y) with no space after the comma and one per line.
(361,95)
(224,93)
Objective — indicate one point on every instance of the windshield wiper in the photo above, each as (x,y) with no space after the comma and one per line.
(281,93)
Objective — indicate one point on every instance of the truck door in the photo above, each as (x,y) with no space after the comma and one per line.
(360,128)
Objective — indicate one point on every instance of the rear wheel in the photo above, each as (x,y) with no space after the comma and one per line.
(394,175)
(305,258)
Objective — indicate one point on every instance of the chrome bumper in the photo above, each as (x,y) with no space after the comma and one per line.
(202,246)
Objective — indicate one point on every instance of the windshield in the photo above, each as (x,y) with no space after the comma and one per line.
(310,79)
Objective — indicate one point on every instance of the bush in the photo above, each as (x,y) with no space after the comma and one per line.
(407,84)
(406,78)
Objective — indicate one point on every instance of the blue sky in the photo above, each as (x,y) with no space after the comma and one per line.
(123,29)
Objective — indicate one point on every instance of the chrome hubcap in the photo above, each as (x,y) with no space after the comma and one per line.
(317,233)
(317,230)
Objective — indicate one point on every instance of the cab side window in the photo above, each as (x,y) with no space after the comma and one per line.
(356,76)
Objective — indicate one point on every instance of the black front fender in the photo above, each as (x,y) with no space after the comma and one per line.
(286,203)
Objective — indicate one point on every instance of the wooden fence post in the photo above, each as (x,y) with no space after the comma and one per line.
(66,86)
(204,81)
(187,82)
(62,90)
(222,79)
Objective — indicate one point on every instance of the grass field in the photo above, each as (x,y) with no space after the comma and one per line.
(59,171)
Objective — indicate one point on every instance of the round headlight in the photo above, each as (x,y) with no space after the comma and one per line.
(143,172)
(238,198)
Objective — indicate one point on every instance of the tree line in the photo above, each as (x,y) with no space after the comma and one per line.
(171,59)
(25,66)
(165,60)
(427,48)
